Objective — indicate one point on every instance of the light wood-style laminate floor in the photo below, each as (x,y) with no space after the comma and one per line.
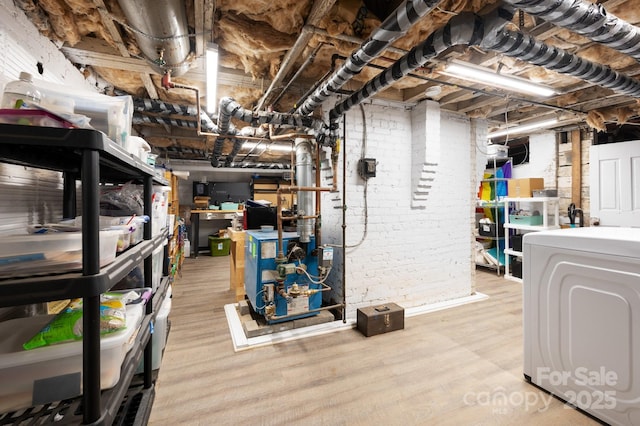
(452,367)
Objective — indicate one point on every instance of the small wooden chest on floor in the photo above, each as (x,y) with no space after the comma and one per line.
(380,319)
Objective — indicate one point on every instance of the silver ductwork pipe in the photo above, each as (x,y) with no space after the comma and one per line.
(160,27)
(587,19)
(394,27)
(230,108)
(304,178)
(489,32)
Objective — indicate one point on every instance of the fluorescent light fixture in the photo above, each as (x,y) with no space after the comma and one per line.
(487,76)
(515,130)
(268,147)
(211,67)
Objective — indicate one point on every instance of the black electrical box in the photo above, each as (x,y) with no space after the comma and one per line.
(201,189)
(367,167)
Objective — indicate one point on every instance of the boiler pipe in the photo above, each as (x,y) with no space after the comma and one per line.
(344,218)
(288,190)
(324,308)
(298,217)
(318,200)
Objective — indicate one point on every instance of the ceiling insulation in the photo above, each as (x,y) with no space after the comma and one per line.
(255,36)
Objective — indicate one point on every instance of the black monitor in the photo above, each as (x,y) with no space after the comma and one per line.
(256,216)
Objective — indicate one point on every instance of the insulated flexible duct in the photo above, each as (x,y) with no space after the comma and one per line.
(587,19)
(230,108)
(161,107)
(488,32)
(526,48)
(258,132)
(149,119)
(394,27)
(463,29)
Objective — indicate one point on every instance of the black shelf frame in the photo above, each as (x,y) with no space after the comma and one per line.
(118,402)
(87,155)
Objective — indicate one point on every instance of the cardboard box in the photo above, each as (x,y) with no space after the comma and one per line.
(523,188)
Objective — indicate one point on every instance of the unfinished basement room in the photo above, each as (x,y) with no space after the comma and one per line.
(320,212)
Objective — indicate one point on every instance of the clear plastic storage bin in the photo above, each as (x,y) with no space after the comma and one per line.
(52,373)
(46,253)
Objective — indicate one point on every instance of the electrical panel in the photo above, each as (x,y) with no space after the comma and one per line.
(367,168)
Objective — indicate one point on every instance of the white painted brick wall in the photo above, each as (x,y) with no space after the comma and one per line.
(410,256)
(543,159)
(23,47)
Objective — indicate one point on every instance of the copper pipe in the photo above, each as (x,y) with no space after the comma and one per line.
(297,217)
(323,308)
(168,84)
(334,159)
(291,136)
(289,190)
(292,175)
(318,199)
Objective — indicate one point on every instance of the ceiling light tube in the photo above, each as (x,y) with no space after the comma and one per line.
(211,68)
(523,128)
(488,76)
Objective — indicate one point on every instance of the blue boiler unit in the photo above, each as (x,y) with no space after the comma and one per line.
(286,289)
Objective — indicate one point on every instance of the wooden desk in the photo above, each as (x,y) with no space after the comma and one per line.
(236,280)
(205,214)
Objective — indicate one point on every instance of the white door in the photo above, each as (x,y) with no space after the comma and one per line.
(614,180)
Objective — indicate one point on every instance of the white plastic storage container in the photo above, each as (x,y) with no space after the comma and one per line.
(160,333)
(160,209)
(52,373)
(157,262)
(135,223)
(111,115)
(44,253)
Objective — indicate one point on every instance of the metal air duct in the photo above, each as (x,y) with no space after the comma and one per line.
(587,19)
(304,178)
(160,27)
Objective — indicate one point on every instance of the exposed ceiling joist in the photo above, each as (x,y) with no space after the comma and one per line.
(115,34)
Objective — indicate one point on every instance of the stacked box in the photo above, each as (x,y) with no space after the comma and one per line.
(523,188)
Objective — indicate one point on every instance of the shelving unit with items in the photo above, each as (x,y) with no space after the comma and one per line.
(490,205)
(522,215)
(90,157)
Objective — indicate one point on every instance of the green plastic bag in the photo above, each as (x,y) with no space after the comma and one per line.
(67,325)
